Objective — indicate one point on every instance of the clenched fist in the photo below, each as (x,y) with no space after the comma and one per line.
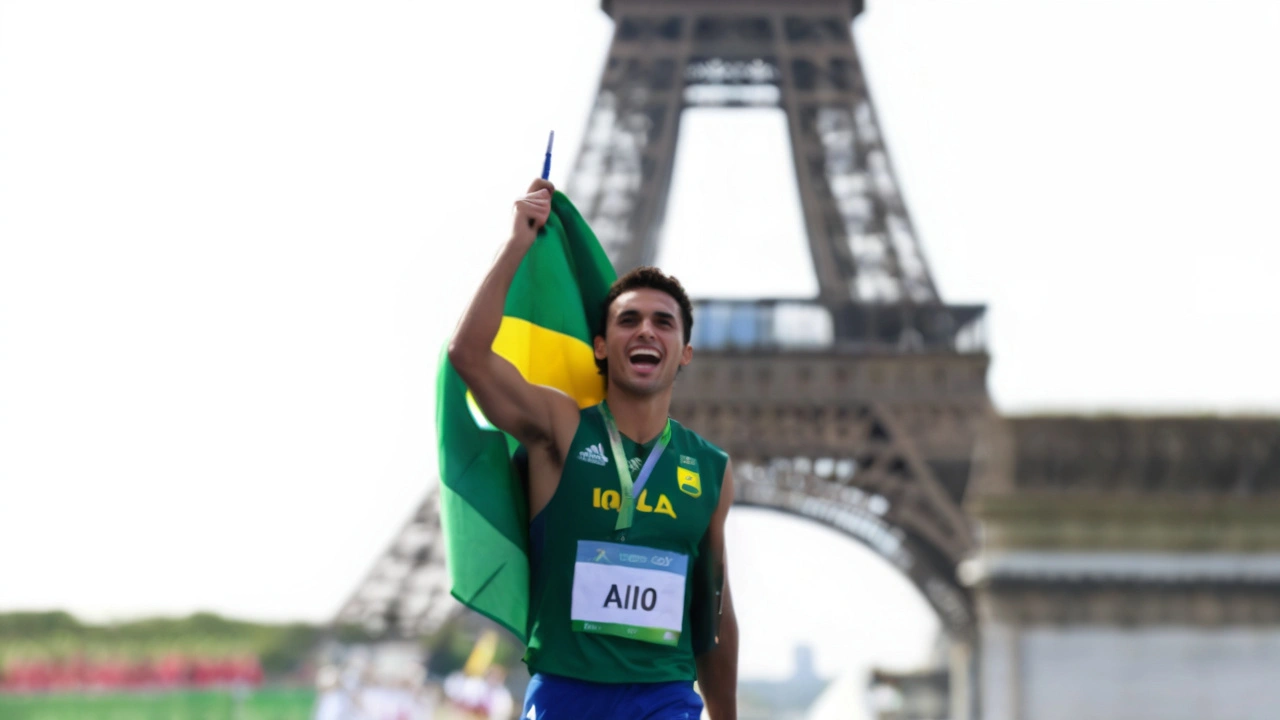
(532,210)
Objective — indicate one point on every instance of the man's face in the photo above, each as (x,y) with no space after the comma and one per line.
(644,341)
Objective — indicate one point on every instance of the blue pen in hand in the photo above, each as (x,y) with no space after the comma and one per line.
(546,164)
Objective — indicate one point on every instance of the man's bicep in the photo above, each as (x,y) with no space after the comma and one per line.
(514,405)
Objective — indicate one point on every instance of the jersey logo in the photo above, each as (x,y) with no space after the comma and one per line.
(689,481)
(594,454)
(634,465)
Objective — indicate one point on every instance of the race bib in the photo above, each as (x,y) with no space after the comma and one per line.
(629,591)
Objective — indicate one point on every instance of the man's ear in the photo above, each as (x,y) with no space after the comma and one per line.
(598,345)
(686,355)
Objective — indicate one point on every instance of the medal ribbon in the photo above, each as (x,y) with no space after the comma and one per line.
(629,490)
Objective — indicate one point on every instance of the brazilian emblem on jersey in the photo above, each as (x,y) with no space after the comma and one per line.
(687,477)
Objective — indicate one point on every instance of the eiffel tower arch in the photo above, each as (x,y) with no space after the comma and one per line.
(857,409)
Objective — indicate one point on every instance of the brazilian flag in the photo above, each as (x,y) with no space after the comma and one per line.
(552,310)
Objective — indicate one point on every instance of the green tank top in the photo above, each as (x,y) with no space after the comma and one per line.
(595,590)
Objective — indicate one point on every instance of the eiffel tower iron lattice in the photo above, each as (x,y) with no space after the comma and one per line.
(858,409)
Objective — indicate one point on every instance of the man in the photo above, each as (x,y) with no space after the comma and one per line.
(630,600)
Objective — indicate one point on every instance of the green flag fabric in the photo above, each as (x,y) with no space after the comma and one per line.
(551,311)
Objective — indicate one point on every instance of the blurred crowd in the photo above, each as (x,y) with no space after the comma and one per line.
(390,683)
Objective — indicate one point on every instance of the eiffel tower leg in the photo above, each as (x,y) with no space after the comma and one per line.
(406,593)
(623,172)
(863,244)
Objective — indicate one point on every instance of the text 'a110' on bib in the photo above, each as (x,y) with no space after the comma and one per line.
(629,591)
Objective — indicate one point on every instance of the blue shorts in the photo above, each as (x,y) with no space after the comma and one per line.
(552,697)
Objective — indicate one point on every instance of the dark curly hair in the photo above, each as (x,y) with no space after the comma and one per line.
(647,277)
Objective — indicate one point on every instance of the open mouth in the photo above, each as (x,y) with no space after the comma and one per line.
(644,359)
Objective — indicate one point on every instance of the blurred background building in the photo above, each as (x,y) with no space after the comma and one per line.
(1130,567)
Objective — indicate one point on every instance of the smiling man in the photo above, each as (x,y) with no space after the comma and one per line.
(630,600)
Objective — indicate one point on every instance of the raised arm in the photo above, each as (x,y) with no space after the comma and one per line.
(718,667)
(534,414)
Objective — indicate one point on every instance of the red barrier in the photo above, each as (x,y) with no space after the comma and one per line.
(166,672)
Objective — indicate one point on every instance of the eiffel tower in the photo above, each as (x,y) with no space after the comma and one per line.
(858,409)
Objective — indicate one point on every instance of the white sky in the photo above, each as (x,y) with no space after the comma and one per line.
(234,237)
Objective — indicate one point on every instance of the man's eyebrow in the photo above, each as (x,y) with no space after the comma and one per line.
(632,312)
